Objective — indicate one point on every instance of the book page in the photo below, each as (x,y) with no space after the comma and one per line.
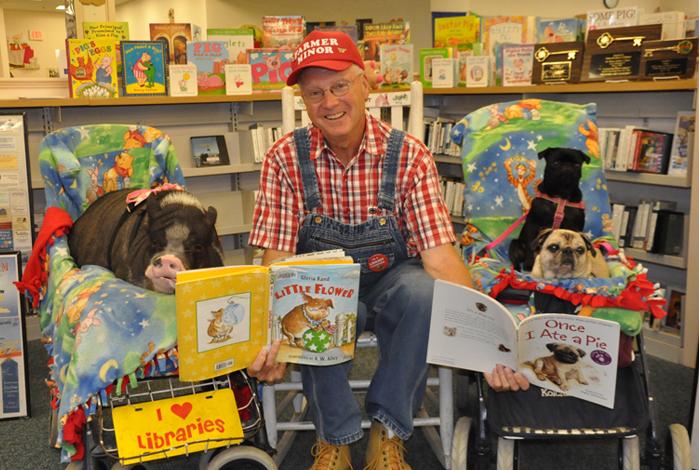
(470,330)
(314,312)
(571,354)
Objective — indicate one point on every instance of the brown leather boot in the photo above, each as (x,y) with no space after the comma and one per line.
(330,457)
(383,453)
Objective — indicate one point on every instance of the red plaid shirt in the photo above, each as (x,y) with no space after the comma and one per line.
(348,193)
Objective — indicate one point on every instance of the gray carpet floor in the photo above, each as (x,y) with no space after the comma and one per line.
(24,442)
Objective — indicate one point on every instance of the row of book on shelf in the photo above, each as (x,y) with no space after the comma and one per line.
(652,226)
(649,151)
(438,137)
(453,194)
(211,150)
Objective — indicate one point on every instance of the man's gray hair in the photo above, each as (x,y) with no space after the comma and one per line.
(352,67)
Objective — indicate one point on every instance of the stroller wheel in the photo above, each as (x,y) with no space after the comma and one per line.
(459,444)
(242,457)
(678,448)
(506,454)
(631,453)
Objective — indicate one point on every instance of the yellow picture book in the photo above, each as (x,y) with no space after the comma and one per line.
(226,315)
(456,30)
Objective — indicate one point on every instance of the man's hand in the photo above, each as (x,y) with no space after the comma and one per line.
(265,367)
(503,379)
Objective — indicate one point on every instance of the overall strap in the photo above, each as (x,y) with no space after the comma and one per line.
(387,190)
(311,194)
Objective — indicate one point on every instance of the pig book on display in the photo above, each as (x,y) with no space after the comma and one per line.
(226,315)
(567,354)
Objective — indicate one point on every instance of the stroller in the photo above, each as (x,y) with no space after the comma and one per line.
(109,341)
(501,172)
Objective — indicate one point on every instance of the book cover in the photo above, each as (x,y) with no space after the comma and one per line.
(375,34)
(314,312)
(209,150)
(396,64)
(443,73)
(269,67)
(117,30)
(238,41)
(282,32)
(144,66)
(503,29)
(558,30)
(674,25)
(176,35)
(455,31)
(238,79)
(603,19)
(517,65)
(652,152)
(92,71)
(210,57)
(183,79)
(427,55)
(443,14)
(472,331)
(682,143)
(477,71)
(348,29)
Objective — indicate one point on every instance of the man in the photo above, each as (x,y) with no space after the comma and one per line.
(349,181)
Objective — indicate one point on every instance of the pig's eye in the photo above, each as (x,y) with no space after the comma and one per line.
(197,247)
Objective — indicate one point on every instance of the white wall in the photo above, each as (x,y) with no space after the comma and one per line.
(138,13)
(52,24)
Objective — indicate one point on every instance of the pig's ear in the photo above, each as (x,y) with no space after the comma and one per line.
(211,215)
(152,205)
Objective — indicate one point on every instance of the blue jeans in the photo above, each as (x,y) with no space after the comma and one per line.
(399,304)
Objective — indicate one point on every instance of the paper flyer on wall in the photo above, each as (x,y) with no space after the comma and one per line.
(568,354)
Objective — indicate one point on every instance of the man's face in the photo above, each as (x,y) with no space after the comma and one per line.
(339,117)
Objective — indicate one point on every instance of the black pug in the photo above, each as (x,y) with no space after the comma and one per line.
(558,191)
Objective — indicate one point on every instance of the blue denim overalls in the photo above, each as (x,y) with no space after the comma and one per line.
(394,289)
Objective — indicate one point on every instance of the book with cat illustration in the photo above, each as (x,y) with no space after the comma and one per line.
(226,315)
(567,354)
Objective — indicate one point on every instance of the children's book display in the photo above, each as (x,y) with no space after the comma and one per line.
(176,35)
(426,57)
(92,71)
(238,41)
(456,31)
(238,79)
(269,67)
(284,32)
(210,57)
(144,66)
(477,71)
(226,315)
(443,73)
(183,79)
(569,354)
(503,30)
(396,64)
(517,65)
(375,34)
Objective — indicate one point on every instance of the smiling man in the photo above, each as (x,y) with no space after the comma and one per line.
(350,181)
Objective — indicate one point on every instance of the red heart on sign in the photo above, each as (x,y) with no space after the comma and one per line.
(239,83)
(182,410)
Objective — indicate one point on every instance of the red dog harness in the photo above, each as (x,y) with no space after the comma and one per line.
(560,207)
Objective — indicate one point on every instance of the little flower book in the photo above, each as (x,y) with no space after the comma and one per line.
(226,315)
(568,354)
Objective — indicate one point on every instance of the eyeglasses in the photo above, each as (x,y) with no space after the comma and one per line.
(340,88)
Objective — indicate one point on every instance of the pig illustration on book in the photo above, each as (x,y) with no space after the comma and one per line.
(307,326)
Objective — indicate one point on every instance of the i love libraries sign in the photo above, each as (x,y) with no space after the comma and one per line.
(192,423)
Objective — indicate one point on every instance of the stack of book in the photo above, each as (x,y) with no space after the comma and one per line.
(262,138)
(633,149)
(437,137)
(652,226)
(453,193)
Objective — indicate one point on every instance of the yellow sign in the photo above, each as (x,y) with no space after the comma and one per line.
(174,426)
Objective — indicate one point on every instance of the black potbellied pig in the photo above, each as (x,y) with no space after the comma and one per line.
(148,243)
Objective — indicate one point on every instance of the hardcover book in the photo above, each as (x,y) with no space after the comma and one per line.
(92,71)
(603,19)
(183,79)
(238,41)
(517,65)
(144,66)
(477,71)
(176,36)
(473,331)
(456,31)
(238,79)
(226,315)
(209,150)
(682,143)
(503,29)
(443,73)
(558,30)
(396,64)
(117,30)
(375,34)
(652,152)
(210,57)
(269,67)
(426,57)
(282,32)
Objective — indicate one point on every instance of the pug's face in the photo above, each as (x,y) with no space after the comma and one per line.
(562,253)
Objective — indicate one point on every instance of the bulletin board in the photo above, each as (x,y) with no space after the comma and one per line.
(14,390)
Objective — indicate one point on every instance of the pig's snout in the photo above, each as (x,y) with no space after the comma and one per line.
(162,272)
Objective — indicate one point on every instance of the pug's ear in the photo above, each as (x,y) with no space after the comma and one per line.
(588,244)
(581,353)
(545,153)
(538,242)
(582,156)
(552,347)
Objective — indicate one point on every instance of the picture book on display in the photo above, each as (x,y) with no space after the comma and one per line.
(426,57)
(209,150)
(238,79)
(92,71)
(210,57)
(226,315)
(176,35)
(396,64)
(443,73)
(456,31)
(568,354)
(269,67)
(238,41)
(652,151)
(183,79)
(682,143)
(375,34)
(117,30)
(284,32)
(517,64)
(443,14)
(477,71)
(143,67)
(558,30)
(603,19)
(503,29)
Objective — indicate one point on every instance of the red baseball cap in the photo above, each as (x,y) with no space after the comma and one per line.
(332,50)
